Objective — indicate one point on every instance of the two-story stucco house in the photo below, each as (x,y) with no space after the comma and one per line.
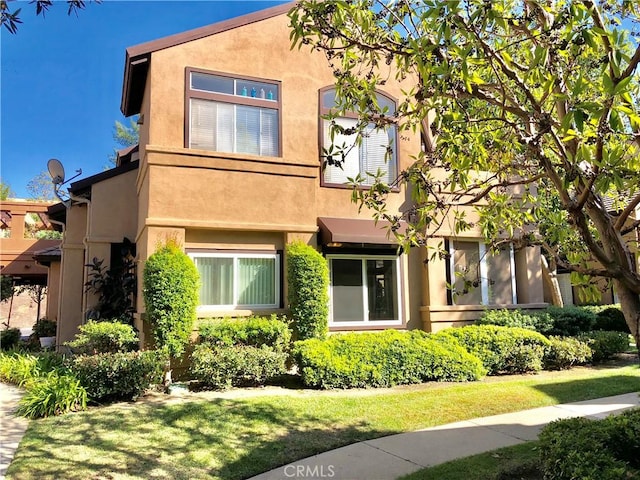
(231,133)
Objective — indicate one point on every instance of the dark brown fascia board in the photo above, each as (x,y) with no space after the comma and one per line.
(84,186)
(138,57)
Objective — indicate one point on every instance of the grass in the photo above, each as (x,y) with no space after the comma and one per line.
(220,437)
(482,466)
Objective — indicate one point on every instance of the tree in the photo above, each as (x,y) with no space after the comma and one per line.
(5,191)
(125,136)
(540,96)
(40,187)
(10,19)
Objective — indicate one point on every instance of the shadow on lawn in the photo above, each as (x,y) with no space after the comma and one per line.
(222,438)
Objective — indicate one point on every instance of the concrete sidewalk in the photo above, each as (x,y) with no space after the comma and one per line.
(388,458)
(12,428)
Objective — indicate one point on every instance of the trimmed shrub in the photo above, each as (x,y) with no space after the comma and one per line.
(308,282)
(540,322)
(502,349)
(383,359)
(104,337)
(251,332)
(236,365)
(571,321)
(565,352)
(170,290)
(45,328)
(56,393)
(117,376)
(607,449)
(9,338)
(611,319)
(605,345)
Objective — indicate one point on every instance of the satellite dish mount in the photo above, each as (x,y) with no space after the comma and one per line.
(56,171)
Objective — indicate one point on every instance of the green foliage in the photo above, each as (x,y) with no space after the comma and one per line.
(45,327)
(55,393)
(117,376)
(579,448)
(104,337)
(9,338)
(383,359)
(308,282)
(170,289)
(605,345)
(611,319)
(272,332)
(501,349)
(565,352)
(6,287)
(221,367)
(115,287)
(20,368)
(570,321)
(538,321)
(5,190)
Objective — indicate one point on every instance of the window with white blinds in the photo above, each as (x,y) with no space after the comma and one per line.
(238,280)
(374,152)
(228,114)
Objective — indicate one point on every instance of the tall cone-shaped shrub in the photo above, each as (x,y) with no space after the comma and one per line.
(308,282)
(170,290)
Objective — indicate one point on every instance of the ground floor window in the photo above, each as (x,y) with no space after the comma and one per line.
(364,290)
(479,276)
(238,280)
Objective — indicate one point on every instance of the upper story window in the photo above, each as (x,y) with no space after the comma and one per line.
(375,151)
(233,114)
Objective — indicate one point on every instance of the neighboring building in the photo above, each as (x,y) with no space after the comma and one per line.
(25,229)
(229,165)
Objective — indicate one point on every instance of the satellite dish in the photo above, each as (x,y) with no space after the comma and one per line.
(56,170)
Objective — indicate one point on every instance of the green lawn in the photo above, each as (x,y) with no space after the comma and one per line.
(209,437)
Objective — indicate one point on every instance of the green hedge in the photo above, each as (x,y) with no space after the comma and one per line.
(605,344)
(566,352)
(235,365)
(272,332)
(117,376)
(502,349)
(308,287)
(570,321)
(579,448)
(611,319)
(104,337)
(538,321)
(170,290)
(383,359)
(9,338)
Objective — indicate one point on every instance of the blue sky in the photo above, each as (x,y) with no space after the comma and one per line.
(62,78)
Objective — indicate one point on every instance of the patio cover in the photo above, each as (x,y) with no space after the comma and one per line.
(347,230)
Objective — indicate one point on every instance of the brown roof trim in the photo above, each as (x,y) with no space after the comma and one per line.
(48,255)
(84,185)
(351,231)
(138,57)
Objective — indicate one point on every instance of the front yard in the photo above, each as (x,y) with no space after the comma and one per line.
(241,433)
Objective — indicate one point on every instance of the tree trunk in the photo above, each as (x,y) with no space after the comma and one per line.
(551,280)
(630,304)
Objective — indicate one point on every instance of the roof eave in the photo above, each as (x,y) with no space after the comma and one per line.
(138,57)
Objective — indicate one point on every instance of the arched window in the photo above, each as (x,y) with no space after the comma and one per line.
(375,152)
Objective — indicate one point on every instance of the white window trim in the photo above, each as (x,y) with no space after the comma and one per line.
(235,257)
(365,302)
(484,269)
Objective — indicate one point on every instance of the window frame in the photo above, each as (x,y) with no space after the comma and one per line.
(235,255)
(322,111)
(484,268)
(193,93)
(366,323)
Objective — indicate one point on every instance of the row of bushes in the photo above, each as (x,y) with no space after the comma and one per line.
(566,321)
(457,354)
(607,449)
